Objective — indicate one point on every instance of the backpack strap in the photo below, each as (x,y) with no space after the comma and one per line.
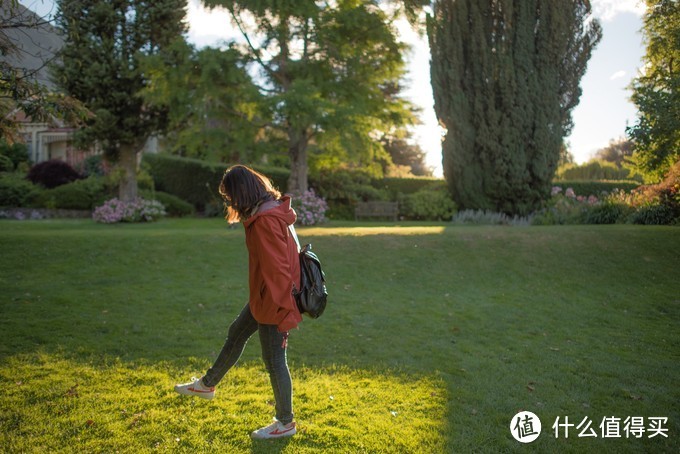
(291,227)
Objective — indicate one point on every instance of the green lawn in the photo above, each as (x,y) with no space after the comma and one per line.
(434,337)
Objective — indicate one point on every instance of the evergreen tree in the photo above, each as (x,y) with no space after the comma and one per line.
(656,93)
(505,76)
(323,68)
(105,41)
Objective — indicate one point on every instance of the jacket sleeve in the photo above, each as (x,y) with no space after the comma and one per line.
(274,257)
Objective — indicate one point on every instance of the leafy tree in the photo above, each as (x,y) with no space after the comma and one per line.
(214,110)
(656,93)
(105,41)
(505,77)
(20,87)
(324,69)
(618,151)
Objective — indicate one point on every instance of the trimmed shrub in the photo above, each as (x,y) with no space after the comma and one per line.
(16,191)
(79,195)
(52,173)
(427,205)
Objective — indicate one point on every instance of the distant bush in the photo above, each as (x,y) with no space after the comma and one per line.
(92,166)
(608,212)
(653,215)
(16,190)
(427,205)
(342,190)
(657,204)
(6,164)
(174,206)
(52,173)
(17,153)
(79,195)
(405,186)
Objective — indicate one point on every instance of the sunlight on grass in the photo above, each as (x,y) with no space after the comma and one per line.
(53,403)
(368,231)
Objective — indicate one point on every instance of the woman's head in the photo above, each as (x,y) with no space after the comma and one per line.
(243,189)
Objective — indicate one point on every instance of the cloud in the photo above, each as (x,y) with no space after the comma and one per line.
(609,9)
(617,75)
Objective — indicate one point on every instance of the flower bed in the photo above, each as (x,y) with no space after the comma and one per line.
(138,210)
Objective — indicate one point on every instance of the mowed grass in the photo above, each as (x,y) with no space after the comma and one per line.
(434,337)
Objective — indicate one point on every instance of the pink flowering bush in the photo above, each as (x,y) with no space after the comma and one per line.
(310,208)
(567,208)
(139,210)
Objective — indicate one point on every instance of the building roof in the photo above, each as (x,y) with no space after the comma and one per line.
(37,42)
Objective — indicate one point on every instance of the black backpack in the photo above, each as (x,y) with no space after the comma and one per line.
(312,295)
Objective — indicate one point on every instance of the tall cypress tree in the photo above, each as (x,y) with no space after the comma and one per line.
(505,76)
(105,41)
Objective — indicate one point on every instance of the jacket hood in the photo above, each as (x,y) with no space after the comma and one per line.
(283,211)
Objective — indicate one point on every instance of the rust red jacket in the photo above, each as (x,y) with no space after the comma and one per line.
(273,265)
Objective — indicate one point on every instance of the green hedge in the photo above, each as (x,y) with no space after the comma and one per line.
(197,181)
(174,206)
(586,188)
(406,186)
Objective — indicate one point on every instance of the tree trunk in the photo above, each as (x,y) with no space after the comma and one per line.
(297,151)
(127,188)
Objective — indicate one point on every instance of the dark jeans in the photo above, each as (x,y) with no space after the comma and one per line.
(273,354)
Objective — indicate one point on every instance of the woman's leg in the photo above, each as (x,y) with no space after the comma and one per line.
(274,356)
(239,332)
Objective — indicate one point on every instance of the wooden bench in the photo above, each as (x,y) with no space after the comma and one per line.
(376,209)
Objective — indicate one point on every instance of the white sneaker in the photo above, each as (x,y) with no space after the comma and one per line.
(275,430)
(196,388)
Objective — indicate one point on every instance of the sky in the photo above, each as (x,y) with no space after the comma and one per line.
(602,115)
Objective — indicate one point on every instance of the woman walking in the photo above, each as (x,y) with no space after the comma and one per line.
(273,271)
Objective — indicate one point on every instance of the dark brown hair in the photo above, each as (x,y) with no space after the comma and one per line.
(243,190)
